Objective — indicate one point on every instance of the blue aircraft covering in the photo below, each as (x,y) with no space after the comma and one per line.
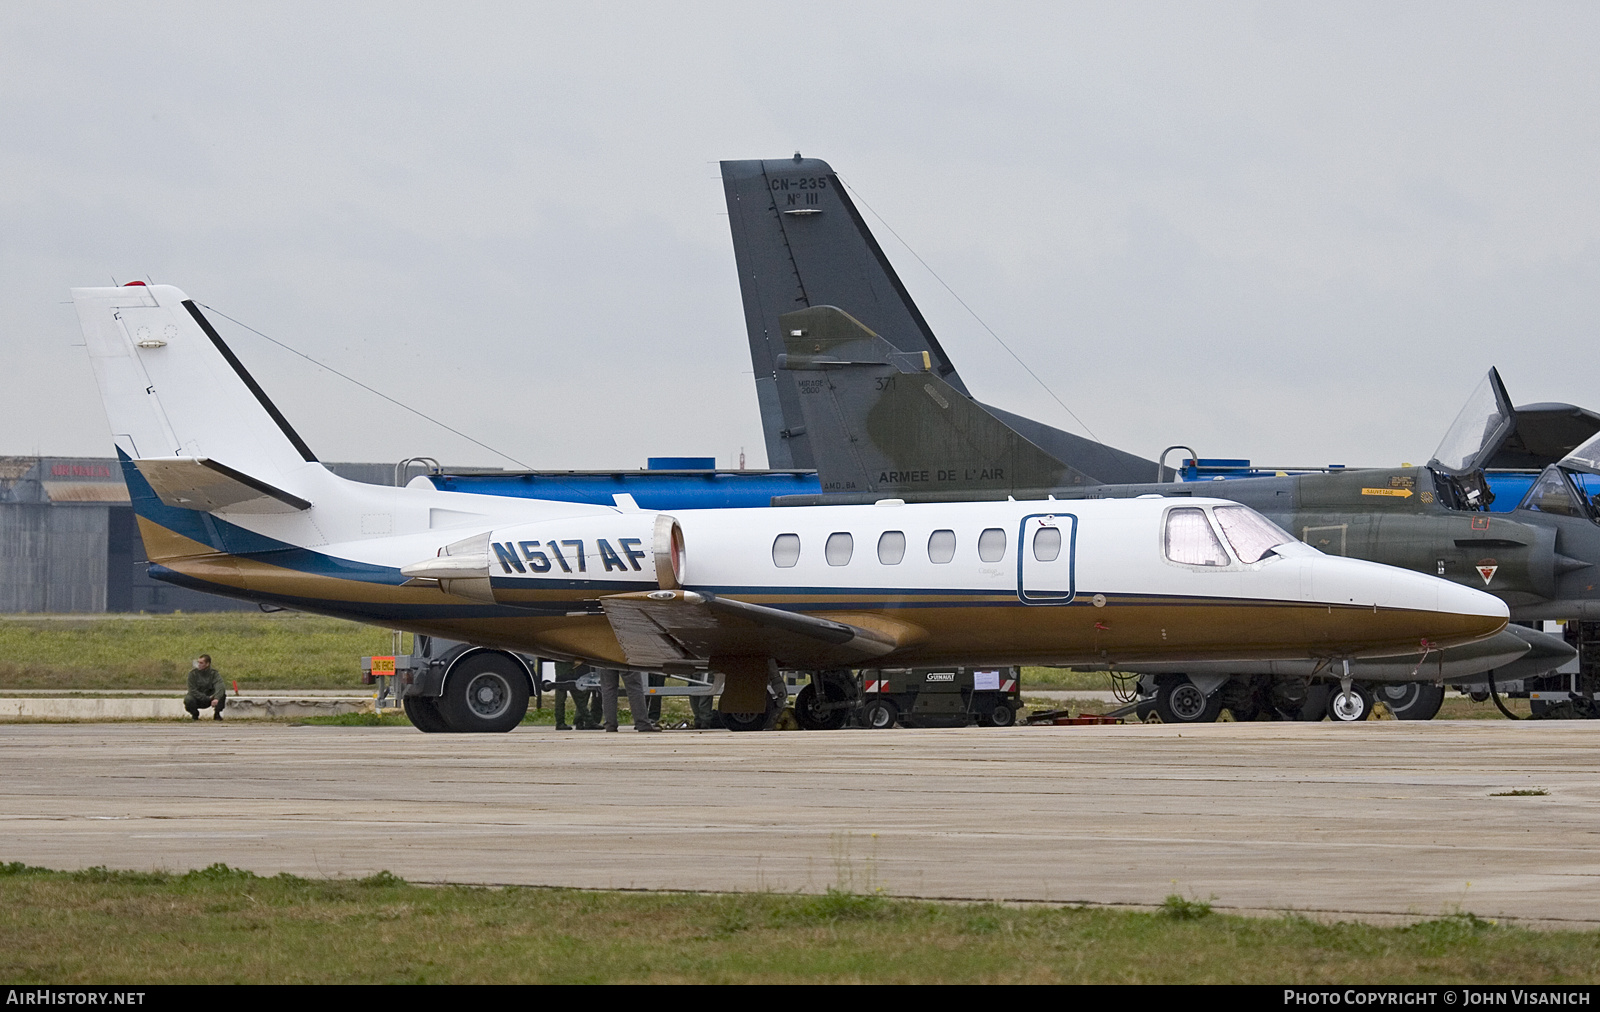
(652,490)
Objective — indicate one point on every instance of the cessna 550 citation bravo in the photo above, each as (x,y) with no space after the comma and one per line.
(230,500)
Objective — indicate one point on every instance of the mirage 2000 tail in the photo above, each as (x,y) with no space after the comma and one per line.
(800,242)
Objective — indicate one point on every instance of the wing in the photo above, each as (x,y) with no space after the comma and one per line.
(665,629)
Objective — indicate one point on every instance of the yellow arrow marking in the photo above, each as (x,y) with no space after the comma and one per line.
(1404,493)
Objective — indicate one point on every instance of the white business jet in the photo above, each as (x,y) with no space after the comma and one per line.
(230,500)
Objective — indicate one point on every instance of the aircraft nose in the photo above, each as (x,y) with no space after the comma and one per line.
(1465,613)
(1405,608)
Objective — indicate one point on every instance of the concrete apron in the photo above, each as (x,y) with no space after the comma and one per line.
(123,708)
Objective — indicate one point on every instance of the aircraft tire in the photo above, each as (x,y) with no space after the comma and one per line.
(1411,700)
(1184,703)
(424,714)
(812,717)
(745,721)
(487,693)
(1343,709)
(880,714)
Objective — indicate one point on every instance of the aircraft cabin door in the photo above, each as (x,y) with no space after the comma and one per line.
(1044,558)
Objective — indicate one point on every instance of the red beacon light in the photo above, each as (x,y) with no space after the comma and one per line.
(130,284)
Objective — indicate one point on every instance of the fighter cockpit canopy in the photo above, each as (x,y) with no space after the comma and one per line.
(1484,424)
(1569,487)
(1585,458)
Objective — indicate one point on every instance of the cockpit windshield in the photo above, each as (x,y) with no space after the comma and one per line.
(1479,430)
(1563,493)
(1252,535)
(1584,458)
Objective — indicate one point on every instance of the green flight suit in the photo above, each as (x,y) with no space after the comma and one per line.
(204,686)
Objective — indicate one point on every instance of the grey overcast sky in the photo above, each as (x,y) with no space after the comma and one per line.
(1295,232)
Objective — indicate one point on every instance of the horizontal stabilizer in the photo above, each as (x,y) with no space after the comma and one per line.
(198,483)
(884,423)
(675,629)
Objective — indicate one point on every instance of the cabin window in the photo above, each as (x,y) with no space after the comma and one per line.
(1190,539)
(892,547)
(785,550)
(839,548)
(1252,535)
(992,545)
(941,546)
(1047,544)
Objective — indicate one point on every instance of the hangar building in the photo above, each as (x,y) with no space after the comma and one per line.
(68,541)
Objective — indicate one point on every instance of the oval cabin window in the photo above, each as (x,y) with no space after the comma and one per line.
(1047,544)
(992,545)
(941,546)
(892,547)
(785,550)
(839,548)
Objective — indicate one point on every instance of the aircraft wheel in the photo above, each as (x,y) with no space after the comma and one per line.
(1184,703)
(746,721)
(880,713)
(486,693)
(1411,700)
(1349,707)
(814,714)
(1316,705)
(424,714)
(1003,715)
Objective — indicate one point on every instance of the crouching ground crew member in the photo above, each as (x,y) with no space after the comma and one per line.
(205,689)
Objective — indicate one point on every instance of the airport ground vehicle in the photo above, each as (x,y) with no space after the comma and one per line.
(949,697)
(417,682)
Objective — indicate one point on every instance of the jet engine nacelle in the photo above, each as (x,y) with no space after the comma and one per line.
(582,557)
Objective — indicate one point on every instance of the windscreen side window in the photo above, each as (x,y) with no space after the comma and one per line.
(1252,535)
(1190,540)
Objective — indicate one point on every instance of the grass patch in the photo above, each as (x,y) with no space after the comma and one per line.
(223,924)
(1180,909)
(1527,792)
(283,650)
(1459,707)
(1065,678)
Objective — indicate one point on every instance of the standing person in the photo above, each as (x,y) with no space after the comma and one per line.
(584,706)
(700,706)
(653,704)
(634,686)
(205,689)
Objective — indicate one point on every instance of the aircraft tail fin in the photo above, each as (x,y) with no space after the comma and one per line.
(799,241)
(884,422)
(186,413)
